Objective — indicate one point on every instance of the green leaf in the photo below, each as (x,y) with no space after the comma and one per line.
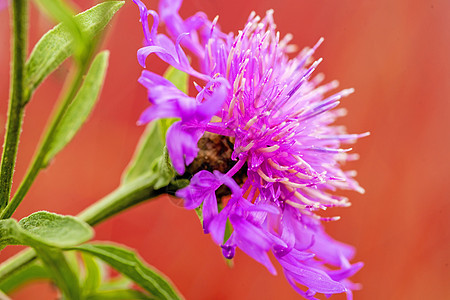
(116,283)
(228,231)
(47,233)
(58,44)
(151,157)
(126,262)
(199,212)
(178,78)
(73,261)
(54,230)
(165,170)
(28,273)
(62,274)
(93,276)
(149,148)
(9,233)
(118,295)
(44,229)
(98,284)
(62,12)
(80,108)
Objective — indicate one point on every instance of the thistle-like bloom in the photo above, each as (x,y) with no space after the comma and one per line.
(259,130)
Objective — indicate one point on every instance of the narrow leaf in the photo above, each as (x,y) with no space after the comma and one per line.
(126,262)
(53,230)
(60,11)
(30,272)
(44,229)
(178,78)
(116,283)
(58,44)
(47,233)
(80,108)
(165,170)
(60,271)
(149,148)
(73,261)
(93,276)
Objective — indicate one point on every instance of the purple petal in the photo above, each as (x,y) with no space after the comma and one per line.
(268,208)
(169,58)
(185,150)
(152,80)
(304,236)
(234,187)
(300,255)
(315,279)
(330,250)
(190,197)
(176,25)
(196,21)
(287,235)
(218,224)
(307,295)
(215,100)
(210,209)
(253,241)
(344,273)
(229,249)
(201,183)
(144,15)
(172,108)
(169,7)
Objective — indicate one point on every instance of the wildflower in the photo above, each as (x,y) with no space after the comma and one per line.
(260,131)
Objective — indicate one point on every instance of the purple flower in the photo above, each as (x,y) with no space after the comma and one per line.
(260,131)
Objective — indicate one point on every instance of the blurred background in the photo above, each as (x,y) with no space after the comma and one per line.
(394,53)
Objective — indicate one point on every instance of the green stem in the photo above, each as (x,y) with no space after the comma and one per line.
(63,275)
(16,262)
(38,161)
(17,98)
(122,198)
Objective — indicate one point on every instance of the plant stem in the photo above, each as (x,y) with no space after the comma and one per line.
(16,262)
(123,197)
(38,160)
(120,199)
(17,98)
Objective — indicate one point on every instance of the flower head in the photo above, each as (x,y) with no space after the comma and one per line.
(259,130)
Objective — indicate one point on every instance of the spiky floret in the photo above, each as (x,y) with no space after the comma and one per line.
(279,118)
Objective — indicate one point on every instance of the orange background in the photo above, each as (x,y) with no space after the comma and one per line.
(394,53)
